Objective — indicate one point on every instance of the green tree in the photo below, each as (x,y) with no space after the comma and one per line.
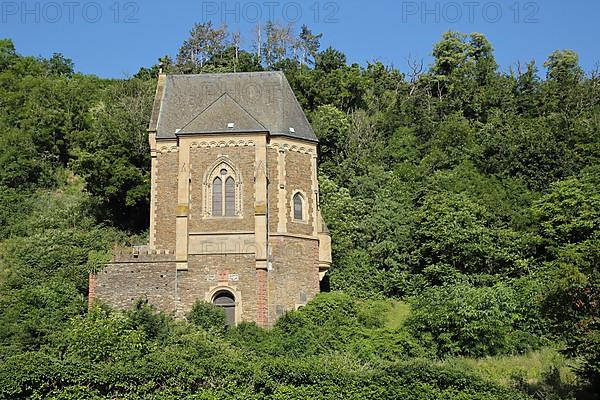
(464,320)
(113,156)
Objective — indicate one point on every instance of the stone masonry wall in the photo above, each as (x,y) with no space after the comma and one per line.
(127,278)
(298,177)
(154,278)
(201,159)
(294,279)
(206,273)
(166,199)
(273,188)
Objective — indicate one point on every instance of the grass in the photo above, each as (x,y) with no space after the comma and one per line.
(397,315)
(543,371)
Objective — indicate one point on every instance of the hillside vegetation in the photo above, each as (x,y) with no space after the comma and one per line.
(463,203)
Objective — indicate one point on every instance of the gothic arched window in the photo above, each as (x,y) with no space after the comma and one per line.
(223,190)
(217,197)
(298,207)
(229,197)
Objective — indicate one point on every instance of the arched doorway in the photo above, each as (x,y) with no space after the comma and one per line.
(226,300)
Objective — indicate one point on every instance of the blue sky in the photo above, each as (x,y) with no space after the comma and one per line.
(108,43)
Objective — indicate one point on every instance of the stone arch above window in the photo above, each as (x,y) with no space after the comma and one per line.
(222,189)
(229,298)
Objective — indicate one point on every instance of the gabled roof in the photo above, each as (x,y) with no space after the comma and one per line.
(223,115)
(209,103)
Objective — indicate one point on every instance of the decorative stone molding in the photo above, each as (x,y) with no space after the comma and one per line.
(167,149)
(221,143)
(225,287)
(153,195)
(282,191)
(286,146)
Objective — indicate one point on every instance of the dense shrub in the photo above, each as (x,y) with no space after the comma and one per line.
(467,320)
(207,316)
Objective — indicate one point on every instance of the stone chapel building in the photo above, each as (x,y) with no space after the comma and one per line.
(234,213)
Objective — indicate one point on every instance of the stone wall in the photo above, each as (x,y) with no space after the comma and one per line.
(207,274)
(128,278)
(154,278)
(294,279)
(201,160)
(166,199)
(265,286)
(298,167)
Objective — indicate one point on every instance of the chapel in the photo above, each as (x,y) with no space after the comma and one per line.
(234,203)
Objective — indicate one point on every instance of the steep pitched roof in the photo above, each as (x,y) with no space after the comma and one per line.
(223,115)
(208,103)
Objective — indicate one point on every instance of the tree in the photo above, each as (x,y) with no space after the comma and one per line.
(569,219)
(329,60)
(332,128)
(8,53)
(59,65)
(19,163)
(450,53)
(204,43)
(309,45)
(561,88)
(464,320)
(563,67)
(113,157)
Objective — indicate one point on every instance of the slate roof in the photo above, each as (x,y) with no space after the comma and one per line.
(228,103)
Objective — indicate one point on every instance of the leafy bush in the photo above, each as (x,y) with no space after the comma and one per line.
(332,309)
(155,325)
(466,320)
(104,337)
(373,314)
(207,316)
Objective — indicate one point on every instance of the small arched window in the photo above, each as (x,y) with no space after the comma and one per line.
(217,197)
(226,300)
(229,197)
(298,207)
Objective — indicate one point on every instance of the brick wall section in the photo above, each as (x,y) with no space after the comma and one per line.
(294,279)
(166,199)
(121,283)
(261,298)
(298,177)
(273,188)
(207,272)
(154,277)
(201,160)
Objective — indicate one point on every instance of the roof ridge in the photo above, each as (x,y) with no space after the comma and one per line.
(224,96)
(246,111)
(226,73)
(205,108)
